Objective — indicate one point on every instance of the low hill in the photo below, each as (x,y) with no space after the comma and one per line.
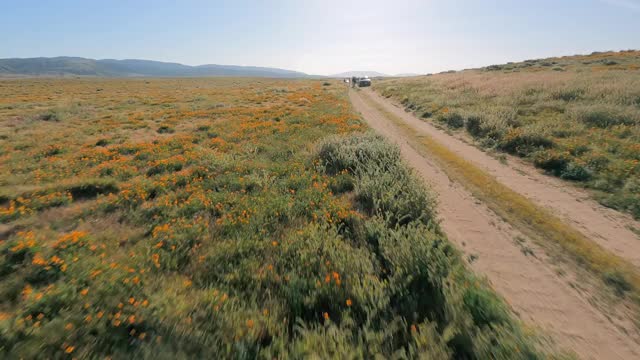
(407,75)
(358,74)
(77,66)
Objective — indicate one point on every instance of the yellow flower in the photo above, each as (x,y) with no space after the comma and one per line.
(69,349)
(349,302)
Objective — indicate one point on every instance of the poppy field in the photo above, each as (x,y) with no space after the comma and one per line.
(224,218)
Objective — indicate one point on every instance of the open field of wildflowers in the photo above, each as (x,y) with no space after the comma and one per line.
(576,117)
(224,218)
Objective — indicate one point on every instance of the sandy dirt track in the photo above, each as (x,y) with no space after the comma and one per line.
(609,228)
(529,284)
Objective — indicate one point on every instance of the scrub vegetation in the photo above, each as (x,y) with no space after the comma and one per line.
(575,117)
(238,217)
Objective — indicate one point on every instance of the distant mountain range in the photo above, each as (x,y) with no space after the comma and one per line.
(407,75)
(349,74)
(77,66)
(370,74)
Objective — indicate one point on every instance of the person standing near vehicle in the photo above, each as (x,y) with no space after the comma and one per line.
(353,81)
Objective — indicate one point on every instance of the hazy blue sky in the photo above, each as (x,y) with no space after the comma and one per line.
(319,36)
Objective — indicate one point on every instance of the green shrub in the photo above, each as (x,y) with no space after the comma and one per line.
(395,195)
(551,161)
(91,188)
(165,129)
(350,153)
(163,167)
(384,186)
(102,142)
(342,183)
(568,94)
(51,115)
(452,119)
(473,124)
(604,116)
(523,142)
(575,172)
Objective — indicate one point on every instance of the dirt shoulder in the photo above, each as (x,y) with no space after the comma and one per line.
(529,284)
(609,228)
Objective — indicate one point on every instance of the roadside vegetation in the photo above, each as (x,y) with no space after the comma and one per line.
(575,117)
(173,218)
(613,272)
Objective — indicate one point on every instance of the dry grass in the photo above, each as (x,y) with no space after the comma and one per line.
(575,117)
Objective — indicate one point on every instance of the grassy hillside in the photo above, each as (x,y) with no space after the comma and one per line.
(576,117)
(184,218)
(76,66)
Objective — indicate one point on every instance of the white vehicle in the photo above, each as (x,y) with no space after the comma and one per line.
(364,82)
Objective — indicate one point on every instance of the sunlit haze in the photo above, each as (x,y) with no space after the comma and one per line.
(319,37)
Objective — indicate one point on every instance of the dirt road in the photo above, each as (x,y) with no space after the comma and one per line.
(516,268)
